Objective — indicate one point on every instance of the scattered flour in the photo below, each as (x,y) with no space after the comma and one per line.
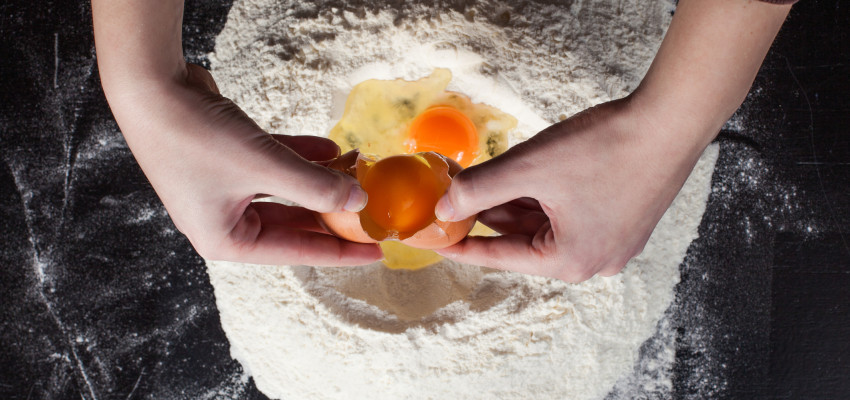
(448,331)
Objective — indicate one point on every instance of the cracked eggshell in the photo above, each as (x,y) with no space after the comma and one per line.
(436,235)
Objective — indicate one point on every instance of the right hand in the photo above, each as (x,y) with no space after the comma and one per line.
(207,161)
(578,199)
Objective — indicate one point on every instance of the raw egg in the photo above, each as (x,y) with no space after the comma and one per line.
(386,118)
(403,191)
(389,118)
(445,130)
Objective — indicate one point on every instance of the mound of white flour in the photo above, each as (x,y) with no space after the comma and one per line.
(449,331)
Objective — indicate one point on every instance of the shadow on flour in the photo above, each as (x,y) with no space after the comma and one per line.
(377,298)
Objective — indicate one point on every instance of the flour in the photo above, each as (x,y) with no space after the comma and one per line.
(448,331)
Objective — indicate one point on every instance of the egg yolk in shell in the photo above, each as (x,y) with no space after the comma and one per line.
(445,130)
(403,191)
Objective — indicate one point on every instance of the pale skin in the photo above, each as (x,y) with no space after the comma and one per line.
(596,184)
(578,199)
(206,159)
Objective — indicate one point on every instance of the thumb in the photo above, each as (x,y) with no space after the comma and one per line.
(313,186)
(487,185)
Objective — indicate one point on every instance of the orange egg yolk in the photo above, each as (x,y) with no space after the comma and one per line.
(403,191)
(444,130)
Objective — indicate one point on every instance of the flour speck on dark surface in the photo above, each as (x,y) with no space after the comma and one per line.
(101,297)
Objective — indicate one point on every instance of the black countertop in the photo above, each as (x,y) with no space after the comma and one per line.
(101,298)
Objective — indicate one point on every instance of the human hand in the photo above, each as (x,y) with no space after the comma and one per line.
(583,196)
(578,199)
(207,161)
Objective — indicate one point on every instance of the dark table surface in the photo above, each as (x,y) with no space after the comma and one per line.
(101,298)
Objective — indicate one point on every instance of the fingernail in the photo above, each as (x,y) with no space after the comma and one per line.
(444,210)
(357,199)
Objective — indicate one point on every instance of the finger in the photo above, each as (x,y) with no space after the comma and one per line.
(277,243)
(527,203)
(253,240)
(290,216)
(497,181)
(312,148)
(509,252)
(511,219)
(534,255)
(282,245)
(282,173)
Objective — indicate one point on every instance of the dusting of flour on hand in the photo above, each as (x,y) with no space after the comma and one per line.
(448,331)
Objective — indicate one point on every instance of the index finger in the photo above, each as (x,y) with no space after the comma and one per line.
(509,252)
(519,253)
(272,234)
(276,244)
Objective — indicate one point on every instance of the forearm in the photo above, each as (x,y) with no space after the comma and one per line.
(147,83)
(706,65)
(138,44)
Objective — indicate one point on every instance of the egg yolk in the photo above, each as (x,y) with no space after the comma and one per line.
(444,130)
(403,191)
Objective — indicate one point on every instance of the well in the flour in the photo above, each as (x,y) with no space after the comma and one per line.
(449,331)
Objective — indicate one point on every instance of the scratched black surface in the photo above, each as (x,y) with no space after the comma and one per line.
(102,298)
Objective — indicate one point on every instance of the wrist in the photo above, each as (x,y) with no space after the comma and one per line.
(671,143)
(673,125)
(124,87)
(138,44)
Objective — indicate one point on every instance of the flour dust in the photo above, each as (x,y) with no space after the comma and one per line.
(449,331)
